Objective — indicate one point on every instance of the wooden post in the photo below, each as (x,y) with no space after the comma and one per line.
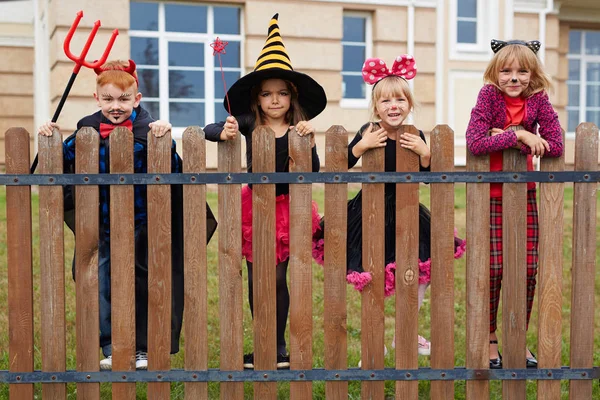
(442,261)
(52,264)
(122,262)
(407,268)
(373,261)
(264,261)
(584,259)
(334,296)
(19,260)
(301,318)
(159,266)
(478,277)
(195,282)
(514,272)
(86,262)
(230,268)
(550,277)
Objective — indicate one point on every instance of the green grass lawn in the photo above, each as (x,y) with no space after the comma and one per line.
(354,317)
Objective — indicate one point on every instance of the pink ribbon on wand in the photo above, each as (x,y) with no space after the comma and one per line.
(219,47)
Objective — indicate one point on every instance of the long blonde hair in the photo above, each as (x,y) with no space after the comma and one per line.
(527,59)
(391,86)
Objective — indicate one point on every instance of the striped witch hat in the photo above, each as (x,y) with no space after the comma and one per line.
(274,63)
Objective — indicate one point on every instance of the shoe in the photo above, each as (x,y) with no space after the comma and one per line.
(249,361)
(283,361)
(141,360)
(385,352)
(424,346)
(496,363)
(531,361)
(106,364)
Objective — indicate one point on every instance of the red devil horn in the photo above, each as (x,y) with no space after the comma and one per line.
(98,70)
(130,69)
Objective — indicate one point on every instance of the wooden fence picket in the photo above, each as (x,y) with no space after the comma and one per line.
(584,259)
(334,293)
(159,266)
(300,265)
(373,261)
(195,254)
(407,268)
(442,257)
(19,259)
(86,262)
(478,276)
(264,261)
(514,273)
(52,264)
(230,268)
(550,276)
(122,262)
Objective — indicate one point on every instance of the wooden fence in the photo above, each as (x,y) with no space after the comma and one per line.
(231,375)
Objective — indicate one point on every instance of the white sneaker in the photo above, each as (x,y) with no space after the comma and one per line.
(141,360)
(106,364)
(385,352)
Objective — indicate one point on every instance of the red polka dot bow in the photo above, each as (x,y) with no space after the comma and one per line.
(374,69)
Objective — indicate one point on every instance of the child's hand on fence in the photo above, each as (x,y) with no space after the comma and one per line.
(48,128)
(159,128)
(304,128)
(372,139)
(230,129)
(538,145)
(416,145)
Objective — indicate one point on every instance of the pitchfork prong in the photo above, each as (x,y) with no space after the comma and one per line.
(104,57)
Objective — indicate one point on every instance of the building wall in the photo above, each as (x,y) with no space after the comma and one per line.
(16,68)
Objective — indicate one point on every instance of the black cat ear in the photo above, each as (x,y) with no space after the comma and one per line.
(497,45)
(534,45)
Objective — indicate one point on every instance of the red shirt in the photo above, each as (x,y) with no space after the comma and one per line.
(515,114)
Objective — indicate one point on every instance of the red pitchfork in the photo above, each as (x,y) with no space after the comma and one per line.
(80,60)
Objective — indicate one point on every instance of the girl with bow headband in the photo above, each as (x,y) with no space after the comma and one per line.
(512,108)
(391,103)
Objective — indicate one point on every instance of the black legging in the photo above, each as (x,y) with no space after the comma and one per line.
(283,301)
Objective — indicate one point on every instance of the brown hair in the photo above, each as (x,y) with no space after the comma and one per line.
(390,86)
(294,115)
(114,74)
(527,59)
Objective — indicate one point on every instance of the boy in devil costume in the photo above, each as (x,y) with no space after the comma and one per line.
(118,97)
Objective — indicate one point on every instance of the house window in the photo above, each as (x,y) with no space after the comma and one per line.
(180,79)
(466,21)
(584,78)
(356,47)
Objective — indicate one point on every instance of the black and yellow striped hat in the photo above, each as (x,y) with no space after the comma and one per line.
(274,63)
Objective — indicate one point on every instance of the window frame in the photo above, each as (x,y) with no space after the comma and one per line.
(364,102)
(583,59)
(487,26)
(165,37)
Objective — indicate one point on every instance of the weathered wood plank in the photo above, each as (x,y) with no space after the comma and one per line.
(19,261)
(264,261)
(86,262)
(334,296)
(195,255)
(584,259)
(52,263)
(159,265)
(442,257)
(230,268)
(301,318)
(478,276)
(122,259)
(407,268)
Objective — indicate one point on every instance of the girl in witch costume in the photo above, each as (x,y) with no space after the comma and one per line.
(510,108)
(276,96)
(391,102)
(118,97)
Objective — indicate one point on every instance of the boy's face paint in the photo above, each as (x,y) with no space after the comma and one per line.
(117,105)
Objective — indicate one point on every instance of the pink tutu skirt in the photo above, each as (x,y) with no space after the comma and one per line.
(282,224)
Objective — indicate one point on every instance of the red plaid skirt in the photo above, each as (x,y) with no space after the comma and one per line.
(496,253)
